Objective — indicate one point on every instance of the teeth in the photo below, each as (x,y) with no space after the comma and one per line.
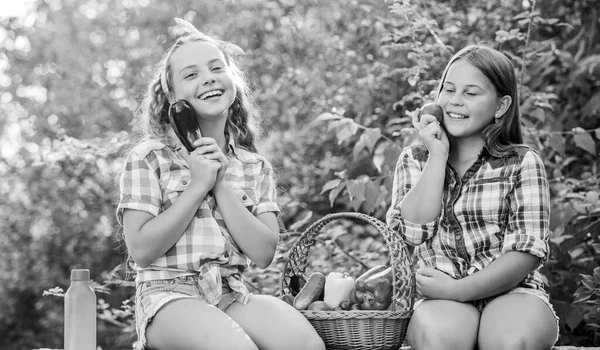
(212,93)
(457,116)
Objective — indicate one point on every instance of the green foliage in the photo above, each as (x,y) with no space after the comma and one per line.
(559,91)
(337,82)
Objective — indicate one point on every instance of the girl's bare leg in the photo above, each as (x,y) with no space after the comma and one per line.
(274,325)
(517,321)
(443,324)
(189,324)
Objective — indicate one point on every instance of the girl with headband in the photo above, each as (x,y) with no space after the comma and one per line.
(193,217)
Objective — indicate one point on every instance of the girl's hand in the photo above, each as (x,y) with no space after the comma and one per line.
(203,170)
(434,284)
(432,133)
(207,146)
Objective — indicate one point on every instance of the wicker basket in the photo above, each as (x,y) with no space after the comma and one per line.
(359,329)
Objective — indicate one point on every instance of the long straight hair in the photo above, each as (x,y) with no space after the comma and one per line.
(503,134)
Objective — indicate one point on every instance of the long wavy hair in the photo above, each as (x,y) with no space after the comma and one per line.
(243,122)
(502,135)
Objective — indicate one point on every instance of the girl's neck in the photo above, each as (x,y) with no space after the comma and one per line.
(216,130)
(465,150)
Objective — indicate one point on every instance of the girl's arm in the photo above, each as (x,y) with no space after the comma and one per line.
(148,237)
(502,275)
(256,236)
(423,202)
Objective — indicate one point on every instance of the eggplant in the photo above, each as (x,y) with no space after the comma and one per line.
(184,122)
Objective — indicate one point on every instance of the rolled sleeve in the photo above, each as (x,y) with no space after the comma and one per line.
(267,190)
(407,172)
(139,186)
(415,234)
(529,217)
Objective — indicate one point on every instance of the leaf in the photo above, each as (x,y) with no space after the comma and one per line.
(573,317)
(586,142)
(592,106)
(588,283)
(592,197)
(597,269)
(333,194)
(581,208)
(557,143)
(391,155)
(596,247)
(344,129)
(327,116)
(582,294)
(330,185)
(356,189)
(372,195)
(412,80)
(367,140)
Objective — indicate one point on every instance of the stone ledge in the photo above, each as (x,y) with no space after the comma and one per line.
(564,347)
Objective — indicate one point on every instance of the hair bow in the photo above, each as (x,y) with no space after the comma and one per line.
(228,48)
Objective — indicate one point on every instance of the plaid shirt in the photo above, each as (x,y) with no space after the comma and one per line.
(153,178)
(499,205)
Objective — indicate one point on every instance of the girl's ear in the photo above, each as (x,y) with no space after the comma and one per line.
(503,106)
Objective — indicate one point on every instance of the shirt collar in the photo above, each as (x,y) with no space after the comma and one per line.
(230,145)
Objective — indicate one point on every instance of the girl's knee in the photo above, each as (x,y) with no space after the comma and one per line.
(512,341)
(440,338)
(443,327)
(314,342)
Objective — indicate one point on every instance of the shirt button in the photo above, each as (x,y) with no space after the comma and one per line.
(458,236)
(226,255)
(200,277)
(184,182)
(244,197)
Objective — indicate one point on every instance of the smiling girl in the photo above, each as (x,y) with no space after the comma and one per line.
(475,202)
(192,221)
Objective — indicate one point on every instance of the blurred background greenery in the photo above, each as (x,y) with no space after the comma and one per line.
(336,82)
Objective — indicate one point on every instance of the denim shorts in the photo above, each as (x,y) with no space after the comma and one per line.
(543,296)
(150,296)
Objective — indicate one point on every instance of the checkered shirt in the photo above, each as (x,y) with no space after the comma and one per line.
(154,176)
(499,205)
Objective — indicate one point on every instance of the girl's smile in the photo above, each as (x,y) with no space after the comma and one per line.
(202,77)
(469,99)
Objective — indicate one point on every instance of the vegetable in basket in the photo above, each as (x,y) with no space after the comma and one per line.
(373,290)
(337,288)
(311,291)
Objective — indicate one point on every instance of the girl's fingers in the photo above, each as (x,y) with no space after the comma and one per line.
(425,271)
(205,141)
(209,151)
(427,119)
(433,128)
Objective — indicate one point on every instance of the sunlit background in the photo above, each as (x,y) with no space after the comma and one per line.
(336,82)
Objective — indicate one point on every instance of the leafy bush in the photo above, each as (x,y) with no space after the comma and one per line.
(337,82)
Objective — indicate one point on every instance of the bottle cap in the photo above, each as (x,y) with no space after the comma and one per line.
(80,275)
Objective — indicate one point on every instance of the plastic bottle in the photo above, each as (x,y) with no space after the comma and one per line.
(80,313)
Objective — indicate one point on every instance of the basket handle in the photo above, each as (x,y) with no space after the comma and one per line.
(400,258)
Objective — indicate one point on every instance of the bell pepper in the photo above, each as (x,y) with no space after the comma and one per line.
(373,290)
(337,288)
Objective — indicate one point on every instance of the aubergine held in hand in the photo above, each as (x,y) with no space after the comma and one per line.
(434,110)
(184,122)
